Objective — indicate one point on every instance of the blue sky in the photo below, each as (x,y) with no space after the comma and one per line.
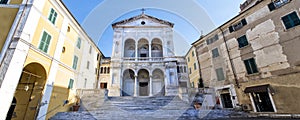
(219,12)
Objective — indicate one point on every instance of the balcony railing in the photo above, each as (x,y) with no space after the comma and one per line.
(143,59)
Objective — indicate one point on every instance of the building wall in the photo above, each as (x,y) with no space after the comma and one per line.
(191,59)
(271,45)
(57,62)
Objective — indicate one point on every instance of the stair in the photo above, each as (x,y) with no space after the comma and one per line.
(95,107)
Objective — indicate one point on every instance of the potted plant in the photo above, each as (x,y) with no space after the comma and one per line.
(76,104)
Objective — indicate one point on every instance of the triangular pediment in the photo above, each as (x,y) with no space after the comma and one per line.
(142,20)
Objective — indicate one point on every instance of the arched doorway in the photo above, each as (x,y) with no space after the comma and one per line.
(128,83)
(29,91)
(158,82)
(143,82)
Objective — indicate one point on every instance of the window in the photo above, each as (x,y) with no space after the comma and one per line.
(192,85)
(276,4)
(85,81)
(220,74)
(101,70)
(78,43)
(45,41)
(188,59)
(190,70)
(52,16)
(3,1)
(215,53)
(108,70)
(71,82)
(242,41)
(69,29)
(184,69)
(237,26)
(251,66)
(195,66)
(75,60)
(291,20)
(193,54)
(90,51)
(212,40)
(88,65)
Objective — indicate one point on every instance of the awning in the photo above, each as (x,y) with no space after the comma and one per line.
(261,88)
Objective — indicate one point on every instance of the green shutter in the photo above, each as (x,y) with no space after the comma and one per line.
(45,42)
(78,43)
(220,74)
(71,82)
(52,16)
(75,60)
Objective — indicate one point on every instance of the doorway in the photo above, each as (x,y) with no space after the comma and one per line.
(143,88)
(262,102)
(226,100)
(103,85)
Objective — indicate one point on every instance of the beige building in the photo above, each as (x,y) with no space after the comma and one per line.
(193,68)
(252,59)
(45,57)
(104,78)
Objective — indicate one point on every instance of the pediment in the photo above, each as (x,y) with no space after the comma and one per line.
(142,20)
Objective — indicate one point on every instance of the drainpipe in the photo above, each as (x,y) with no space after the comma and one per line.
(12,32)
(231,63)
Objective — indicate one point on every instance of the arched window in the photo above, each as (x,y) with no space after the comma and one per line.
(108,70)
(101,70)
(104,70)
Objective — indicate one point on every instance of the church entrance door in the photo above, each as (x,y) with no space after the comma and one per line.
(143,88)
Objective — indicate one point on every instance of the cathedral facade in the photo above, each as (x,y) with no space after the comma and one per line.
(143,62)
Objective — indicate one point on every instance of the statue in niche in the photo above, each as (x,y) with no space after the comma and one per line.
(116,47)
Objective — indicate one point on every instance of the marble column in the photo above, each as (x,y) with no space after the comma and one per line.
(135,85)
(151,90)
(136,51)
(150,54)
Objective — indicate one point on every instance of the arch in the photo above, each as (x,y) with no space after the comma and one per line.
(29,90)
(143,82)
(156,48)
(128,82)
(158,83)
(129,48)
(143,48)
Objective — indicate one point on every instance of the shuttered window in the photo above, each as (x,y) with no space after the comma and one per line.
(71,82)
(45,42)
(75,60)
(52,16)
(220,74)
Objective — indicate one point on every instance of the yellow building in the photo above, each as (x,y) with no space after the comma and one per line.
(46,55)
(193,67)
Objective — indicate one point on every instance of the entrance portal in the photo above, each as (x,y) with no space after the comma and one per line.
(29,92)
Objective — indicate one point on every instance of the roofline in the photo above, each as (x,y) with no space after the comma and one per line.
(72,16)
(141,15)
(240,14)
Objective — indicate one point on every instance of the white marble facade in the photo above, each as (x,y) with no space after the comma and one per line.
(143,61)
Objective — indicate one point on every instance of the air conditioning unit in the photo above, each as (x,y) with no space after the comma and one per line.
(246,107)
